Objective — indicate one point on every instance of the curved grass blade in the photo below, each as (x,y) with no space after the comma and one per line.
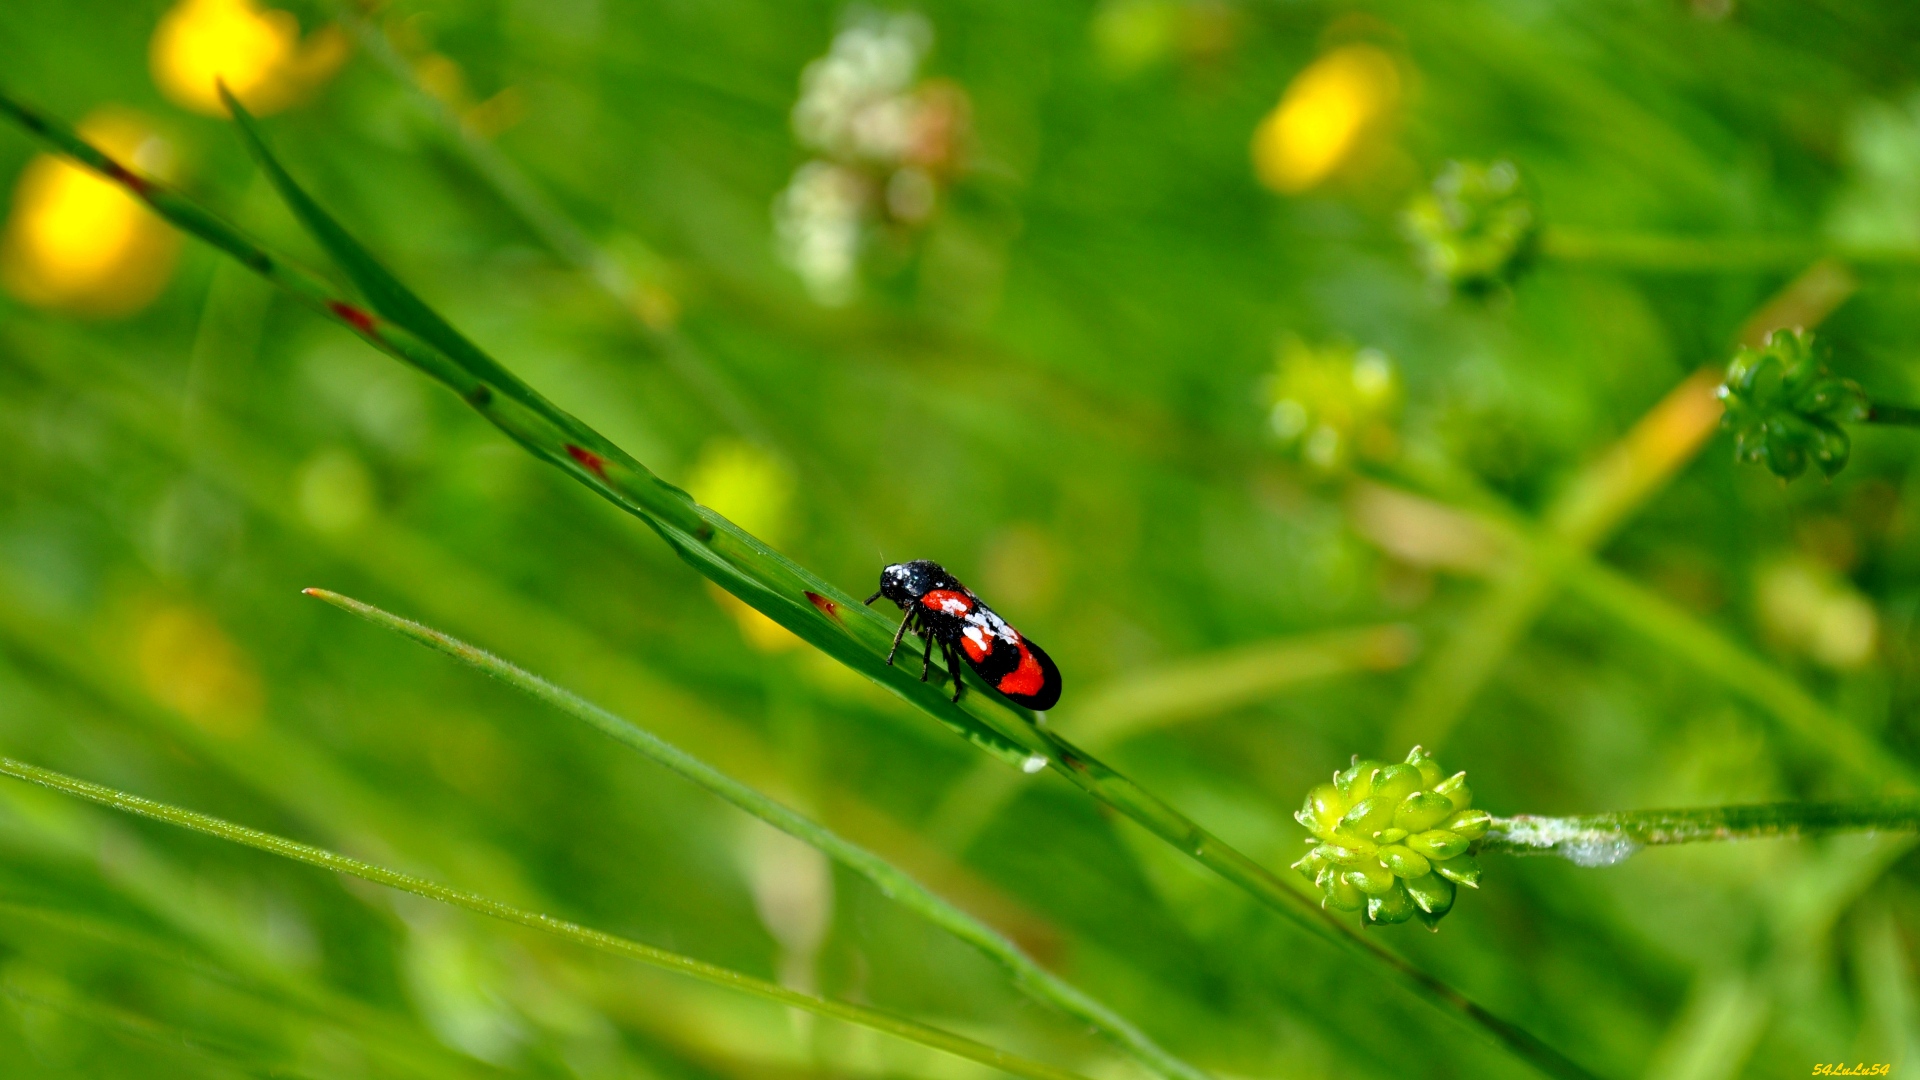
(898,1026)
(827,617)
(890,880)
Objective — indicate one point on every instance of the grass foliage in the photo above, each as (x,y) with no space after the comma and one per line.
(1064,382)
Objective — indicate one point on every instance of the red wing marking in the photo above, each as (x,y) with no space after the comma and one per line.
(977,644)
(827,607)
(594,463)
(947,602)
(360,320)
(1025,680)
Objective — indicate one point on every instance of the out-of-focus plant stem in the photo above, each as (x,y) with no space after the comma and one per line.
(901,1027)
(1705,254)
(814,609)
(890,880)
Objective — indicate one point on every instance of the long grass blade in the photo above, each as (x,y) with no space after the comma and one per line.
(900,1027)
(891,880)
(815,610)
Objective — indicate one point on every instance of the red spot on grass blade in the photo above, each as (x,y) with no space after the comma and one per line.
(593,462)
(358,319)
(120,173)
(827,607)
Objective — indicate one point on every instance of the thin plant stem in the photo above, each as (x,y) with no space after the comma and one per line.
(891,881)
(1706,254)
(898,1026)
(1604,839)
(815,610)
(1892,415)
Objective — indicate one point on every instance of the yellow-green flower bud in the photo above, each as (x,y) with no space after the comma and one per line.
(1433,894)
(1404,862)
(1392,906)
(1392,840)
(1471,824)
(1438,844)
(1422,810)
(1456,790)
(1461,869)
(1474,229)
(1370,878)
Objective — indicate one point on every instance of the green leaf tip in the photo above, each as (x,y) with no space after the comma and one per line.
(1391,841)
(1785,408)
(1474,229)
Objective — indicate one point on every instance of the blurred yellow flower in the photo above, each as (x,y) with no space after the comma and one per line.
(256,51)
(752,489)
(1810,609)
(1324,116)
(77,241)
(190,665)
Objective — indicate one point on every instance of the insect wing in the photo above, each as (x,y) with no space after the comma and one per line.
(1019,669)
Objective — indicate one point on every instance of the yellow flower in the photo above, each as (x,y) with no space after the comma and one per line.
(752,489)
(190,665)
(79,242)
(1324,116)
(256,52)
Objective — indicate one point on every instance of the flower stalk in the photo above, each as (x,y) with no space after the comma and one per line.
(1605,839)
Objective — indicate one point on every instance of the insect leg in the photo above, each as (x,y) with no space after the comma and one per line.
(926,658)
(897,635)
(953,668)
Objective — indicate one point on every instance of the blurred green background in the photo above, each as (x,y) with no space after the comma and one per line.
(1106,307)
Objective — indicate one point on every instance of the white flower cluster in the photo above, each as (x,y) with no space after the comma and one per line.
(884,142)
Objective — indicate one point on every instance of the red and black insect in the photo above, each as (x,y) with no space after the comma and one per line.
(939,608)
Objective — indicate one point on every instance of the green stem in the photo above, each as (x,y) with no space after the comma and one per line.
(1706,254)
(1893,415)
(891,881)
(812,608)
(909,1030)
(1604,839)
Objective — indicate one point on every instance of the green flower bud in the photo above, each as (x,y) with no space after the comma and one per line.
(1456,790)
(1392,840)
(1422,810)
(1396,782)
(1461,869)
(1404,862)
(1341,895)
(1356,782)
(1324,807)
(1392,906)
(1430,771)
(1785,408)
(1471,824)
(1438,844)
(1370,878)
(1368,816)
(1433,893)
(1330,404)
(1474,229)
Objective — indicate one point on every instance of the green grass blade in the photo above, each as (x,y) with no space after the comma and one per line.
(891,881)
(834,622)
(900,1027)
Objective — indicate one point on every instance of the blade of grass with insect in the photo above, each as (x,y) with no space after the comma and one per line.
(890,880)
(900,1027)
(813,609)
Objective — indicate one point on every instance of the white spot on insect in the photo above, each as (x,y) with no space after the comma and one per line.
(972,633)
(1033,764)
(953,605)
